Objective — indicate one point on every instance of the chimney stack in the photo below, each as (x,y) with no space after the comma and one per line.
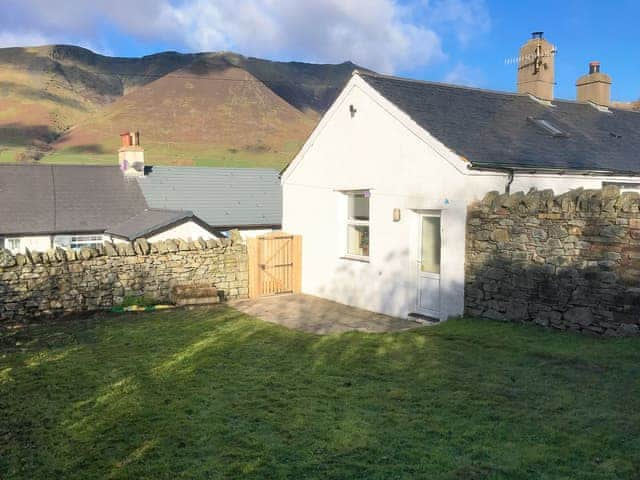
(131,155)
(536,67)
(594,87)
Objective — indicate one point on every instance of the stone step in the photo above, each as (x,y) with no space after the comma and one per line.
(422,319)
(195,294)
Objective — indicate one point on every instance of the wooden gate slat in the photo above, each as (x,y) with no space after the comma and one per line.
(274,264)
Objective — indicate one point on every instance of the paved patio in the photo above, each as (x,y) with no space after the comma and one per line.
(320,316)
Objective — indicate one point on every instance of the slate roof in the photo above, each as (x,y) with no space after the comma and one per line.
(149,222)
(45,199)
(221,197)
(495,129)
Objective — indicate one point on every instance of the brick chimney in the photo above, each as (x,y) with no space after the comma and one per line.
(131,155)
(594,87)
(536,67)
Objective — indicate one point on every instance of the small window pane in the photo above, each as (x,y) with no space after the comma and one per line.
(430,261)
(358,240)
(359,206)
(13,243)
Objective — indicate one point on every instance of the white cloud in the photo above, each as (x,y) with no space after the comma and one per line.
(20,39)
(465,75)
(466,18)
(380,34)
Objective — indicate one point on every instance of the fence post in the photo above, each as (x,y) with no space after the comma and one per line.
(254,268)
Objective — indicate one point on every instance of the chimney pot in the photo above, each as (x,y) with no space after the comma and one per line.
(594,87)
(125,139)
(131,155)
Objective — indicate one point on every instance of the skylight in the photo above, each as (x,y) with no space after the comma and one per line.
(548,127)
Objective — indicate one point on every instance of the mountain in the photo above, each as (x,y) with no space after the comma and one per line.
(69,104)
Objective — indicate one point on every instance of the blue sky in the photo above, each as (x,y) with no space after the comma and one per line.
(459,41)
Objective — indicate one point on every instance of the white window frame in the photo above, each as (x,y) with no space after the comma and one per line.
(10,240)
(352,222)
(76,242)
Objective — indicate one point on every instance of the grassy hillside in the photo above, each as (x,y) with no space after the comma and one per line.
(67,104)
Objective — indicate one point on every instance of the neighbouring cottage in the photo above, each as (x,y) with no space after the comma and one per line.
(380,191)
(74,206)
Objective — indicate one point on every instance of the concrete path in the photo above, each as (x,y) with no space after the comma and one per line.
(316,315)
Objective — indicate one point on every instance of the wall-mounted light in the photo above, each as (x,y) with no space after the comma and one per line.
(396,214)
(352,110)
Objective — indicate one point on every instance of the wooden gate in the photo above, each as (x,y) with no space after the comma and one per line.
(274,264)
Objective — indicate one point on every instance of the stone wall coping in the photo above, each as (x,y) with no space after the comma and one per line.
(139,247)
(577,201)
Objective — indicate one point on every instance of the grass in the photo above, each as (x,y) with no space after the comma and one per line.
(202,156)
(216,394)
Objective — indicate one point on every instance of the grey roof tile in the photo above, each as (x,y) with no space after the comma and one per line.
(148,222)
(43,199)
(494,129)
(222,197)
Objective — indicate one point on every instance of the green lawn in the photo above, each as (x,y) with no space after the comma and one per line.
(216,394)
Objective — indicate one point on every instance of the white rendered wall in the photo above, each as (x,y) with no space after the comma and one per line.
(187,231)
(254,233)
(563,183)
(375,150)
(40,243)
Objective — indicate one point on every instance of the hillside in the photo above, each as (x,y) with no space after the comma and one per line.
(69,104)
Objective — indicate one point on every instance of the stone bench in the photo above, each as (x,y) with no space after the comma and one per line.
(195,294)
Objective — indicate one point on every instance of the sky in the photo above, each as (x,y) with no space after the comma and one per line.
(456,41)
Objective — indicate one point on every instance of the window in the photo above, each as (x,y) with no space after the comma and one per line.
(358,224)
(13,244)
(547,127)
(430,254)
(76,242)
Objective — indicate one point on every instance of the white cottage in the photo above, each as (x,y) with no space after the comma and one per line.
(75,206)
(380,190)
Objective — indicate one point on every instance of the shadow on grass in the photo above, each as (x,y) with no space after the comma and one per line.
(213,393)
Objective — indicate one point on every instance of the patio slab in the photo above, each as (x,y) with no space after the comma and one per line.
(317,315)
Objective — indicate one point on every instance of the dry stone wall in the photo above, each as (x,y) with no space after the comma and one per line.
(60,282)
(570,262)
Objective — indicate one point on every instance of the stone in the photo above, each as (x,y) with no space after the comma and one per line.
(141,246)
(579,315)
(6,258)
(235,237)
(170,246)
(570,262)
(94,282)
(85,253)
(500,235)
(110,249)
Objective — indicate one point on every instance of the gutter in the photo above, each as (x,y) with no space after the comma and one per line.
(554,171)
(511,172)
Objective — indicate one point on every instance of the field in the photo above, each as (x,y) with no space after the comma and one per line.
(216,394)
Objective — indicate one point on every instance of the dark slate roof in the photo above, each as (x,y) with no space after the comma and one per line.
(495,129)
(44,199)
(149,222)
(222,197)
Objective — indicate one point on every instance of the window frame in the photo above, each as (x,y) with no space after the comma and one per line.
(350,222)
(9,240)
(76,242)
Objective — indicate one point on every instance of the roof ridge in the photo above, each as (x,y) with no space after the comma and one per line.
(54,165)
(441,84)
(475,89)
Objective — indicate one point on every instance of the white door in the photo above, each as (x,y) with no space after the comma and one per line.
(430,243)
